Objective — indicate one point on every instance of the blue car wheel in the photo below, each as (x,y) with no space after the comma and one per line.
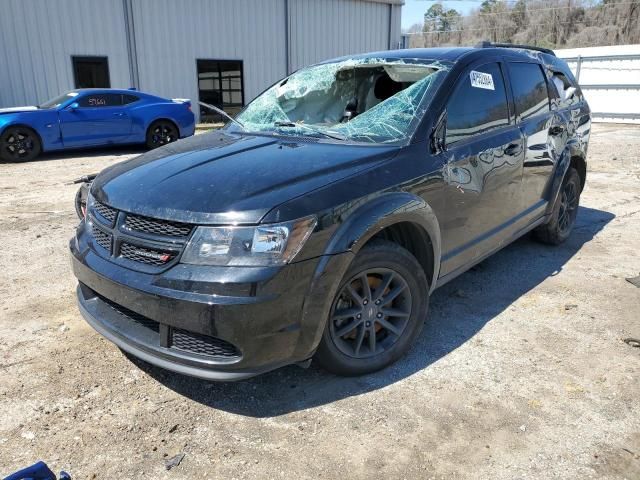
(161,132)
(19,144)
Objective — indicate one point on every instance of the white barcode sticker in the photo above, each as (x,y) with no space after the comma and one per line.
(481,80)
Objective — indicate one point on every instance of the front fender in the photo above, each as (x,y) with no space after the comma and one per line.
(381,212)
(44,123)
(352,234)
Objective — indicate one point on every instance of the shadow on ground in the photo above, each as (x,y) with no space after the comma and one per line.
(458,311)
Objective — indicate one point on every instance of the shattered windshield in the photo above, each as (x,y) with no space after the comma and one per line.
(364,100)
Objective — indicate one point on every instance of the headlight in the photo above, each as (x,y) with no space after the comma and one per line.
(274,244)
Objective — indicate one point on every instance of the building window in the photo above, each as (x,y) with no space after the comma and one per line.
(220,84)
(91,72)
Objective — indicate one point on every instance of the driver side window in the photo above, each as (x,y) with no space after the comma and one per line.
(478,104)
(100,100)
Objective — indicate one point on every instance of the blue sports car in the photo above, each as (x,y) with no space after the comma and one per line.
(90,118)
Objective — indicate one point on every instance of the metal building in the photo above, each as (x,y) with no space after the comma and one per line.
(223,52)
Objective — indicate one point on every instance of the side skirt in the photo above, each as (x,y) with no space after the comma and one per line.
(519,233)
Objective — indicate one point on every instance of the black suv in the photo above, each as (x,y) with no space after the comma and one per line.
(317,223)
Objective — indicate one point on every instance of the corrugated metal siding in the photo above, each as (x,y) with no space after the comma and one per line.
(396,29)
(38,37)
(246,30)
(331,28)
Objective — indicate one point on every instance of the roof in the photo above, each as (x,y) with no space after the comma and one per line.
(110,90)
(453,54)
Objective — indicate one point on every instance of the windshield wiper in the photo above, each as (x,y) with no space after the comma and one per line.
(224,114)
(335,136)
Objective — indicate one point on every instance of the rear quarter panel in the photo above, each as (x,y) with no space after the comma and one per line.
(147,111)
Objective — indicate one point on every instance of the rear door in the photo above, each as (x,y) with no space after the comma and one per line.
(543,131)
(483,165)
(101,118)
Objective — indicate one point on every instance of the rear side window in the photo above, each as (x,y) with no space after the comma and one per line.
(529,89)
(101,100)
(478,104)
(127,99)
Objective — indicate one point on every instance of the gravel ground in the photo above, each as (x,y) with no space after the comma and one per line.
(521,372)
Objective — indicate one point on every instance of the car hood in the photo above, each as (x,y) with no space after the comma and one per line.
(222,178)
(17,109)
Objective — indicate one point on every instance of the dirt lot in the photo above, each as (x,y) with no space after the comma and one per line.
(521,372)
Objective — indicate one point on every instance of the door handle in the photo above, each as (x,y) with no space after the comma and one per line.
(118,114)
(556,130)
(512,149)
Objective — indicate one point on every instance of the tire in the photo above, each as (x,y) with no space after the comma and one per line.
(161,132)
(391,271)
(81,201)
(19,144)
(565,210)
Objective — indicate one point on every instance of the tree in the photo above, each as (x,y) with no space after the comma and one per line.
(547,23)
(439,21)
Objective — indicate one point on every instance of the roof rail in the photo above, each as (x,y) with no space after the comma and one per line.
(485,44)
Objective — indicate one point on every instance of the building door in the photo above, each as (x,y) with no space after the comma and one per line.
(220,84)
(91,72)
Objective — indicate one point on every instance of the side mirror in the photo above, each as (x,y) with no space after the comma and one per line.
(73,106)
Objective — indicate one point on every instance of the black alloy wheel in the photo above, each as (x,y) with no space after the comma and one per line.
(19,144)
(377,312)
(161,133)
(370,312)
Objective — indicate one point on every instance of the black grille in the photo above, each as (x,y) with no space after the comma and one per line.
(102,238)
(105,212)
(131,315)
(157,227)
(202,344)
(145,255)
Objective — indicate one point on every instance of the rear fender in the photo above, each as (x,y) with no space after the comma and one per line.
(562,167)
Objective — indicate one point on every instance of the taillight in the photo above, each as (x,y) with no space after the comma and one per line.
(189,106)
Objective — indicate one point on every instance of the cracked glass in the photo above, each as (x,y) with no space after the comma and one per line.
(368,100)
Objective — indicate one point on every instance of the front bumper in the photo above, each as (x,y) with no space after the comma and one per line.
(252,319)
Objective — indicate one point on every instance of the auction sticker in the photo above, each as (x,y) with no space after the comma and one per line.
(481,80)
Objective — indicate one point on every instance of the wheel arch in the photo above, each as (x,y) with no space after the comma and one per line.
(3,128)
(164,119)
(400,217)
(571,157)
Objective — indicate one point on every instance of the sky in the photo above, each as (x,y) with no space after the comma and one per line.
(413,10)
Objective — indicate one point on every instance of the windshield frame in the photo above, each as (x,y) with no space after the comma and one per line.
(442,70)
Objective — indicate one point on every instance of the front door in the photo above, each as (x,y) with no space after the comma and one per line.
(483,166)
(99,119)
